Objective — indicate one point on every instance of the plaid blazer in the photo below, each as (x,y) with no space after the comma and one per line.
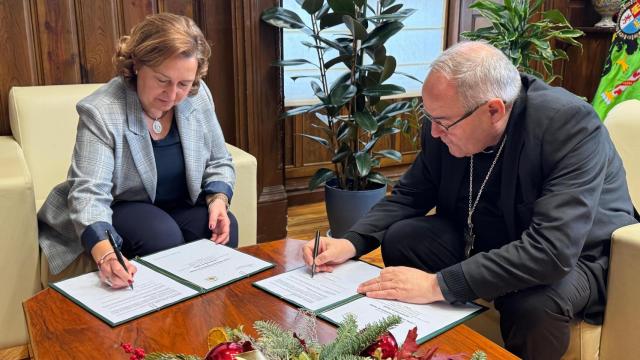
(113,161)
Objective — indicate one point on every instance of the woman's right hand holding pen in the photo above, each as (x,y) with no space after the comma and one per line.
(331,252)
(111,272)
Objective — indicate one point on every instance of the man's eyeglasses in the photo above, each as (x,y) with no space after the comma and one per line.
(428,116)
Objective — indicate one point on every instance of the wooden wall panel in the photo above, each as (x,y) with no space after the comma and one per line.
(134,11)
(216,23)
(56,29)
(18,63)
(180,7)
(98,34)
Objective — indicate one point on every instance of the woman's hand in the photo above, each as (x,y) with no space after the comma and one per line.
(111,272)
(219,221)
(331,252)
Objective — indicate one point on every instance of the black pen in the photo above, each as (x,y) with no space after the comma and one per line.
(118,255)
(315,252)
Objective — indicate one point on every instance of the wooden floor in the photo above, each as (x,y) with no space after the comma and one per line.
(304,220)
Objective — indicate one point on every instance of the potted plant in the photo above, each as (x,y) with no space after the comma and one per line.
(523,39)
(350,113)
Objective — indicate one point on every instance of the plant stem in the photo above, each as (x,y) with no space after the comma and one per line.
(325,88)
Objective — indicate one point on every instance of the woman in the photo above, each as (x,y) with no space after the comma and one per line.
(149,164)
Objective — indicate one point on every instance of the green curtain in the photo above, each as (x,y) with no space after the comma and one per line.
(621,74)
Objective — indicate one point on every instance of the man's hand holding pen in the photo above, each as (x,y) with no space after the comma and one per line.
(331,252)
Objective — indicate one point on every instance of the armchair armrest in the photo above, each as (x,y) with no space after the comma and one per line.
(244,204)
(18,242)
(622,315)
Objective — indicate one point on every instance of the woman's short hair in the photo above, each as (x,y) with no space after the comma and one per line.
(158,38)
(480,72)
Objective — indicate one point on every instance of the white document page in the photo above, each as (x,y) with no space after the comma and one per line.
(151,290)
(324,288)
(206,264)
(429,318)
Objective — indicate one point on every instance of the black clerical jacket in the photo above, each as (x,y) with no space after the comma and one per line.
(563,193)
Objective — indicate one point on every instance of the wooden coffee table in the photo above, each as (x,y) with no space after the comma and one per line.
(60,329)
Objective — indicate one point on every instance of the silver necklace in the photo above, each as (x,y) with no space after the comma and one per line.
(469,236)
(156,125)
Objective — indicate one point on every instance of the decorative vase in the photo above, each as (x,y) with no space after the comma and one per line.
(345,208)
(606,9)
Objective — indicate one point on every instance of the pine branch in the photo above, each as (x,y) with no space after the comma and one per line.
(350,341)
(275,342)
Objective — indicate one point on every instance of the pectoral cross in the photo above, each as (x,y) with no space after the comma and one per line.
(469,239)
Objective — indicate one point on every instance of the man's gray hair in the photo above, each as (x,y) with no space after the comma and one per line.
(480,72)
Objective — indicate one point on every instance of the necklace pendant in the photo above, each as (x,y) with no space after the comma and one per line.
(469,239)
(157,126)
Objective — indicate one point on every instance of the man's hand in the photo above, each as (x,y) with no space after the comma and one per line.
(331,252)
(404,284)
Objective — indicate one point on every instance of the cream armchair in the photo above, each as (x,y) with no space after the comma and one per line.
(616,338)
(37,157)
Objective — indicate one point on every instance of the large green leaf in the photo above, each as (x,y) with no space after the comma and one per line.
(378,178)
(389,68)
(392,9)
(336,60)
(357,30)
(396,108)
(363,162)
(292,62)
(399,16)
(386,3)
(317,90)
(383,90)
(295,111)
(366,121)
(555,16)
(330,20)
(391,154)
(382,33)
(409,76)
(282,18)
(342,94)
(331,43)
(317,139)
(343,7)
(312,6)
(294,78)
(320,177)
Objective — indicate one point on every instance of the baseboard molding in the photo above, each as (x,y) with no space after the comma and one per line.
(19,352)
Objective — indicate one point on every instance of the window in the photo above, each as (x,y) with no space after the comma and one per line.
(414,47)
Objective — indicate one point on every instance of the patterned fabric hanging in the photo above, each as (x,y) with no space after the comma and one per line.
(621,74)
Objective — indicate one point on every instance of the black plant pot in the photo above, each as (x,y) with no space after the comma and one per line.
(345,208)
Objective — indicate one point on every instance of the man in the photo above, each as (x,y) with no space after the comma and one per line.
(527,188)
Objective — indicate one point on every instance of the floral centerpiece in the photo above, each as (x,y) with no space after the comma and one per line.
(275,343)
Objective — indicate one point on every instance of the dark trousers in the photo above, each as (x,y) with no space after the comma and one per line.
(146,228)
(534,322)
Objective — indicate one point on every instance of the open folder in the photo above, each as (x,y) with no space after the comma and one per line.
(162,279)
(334,295)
